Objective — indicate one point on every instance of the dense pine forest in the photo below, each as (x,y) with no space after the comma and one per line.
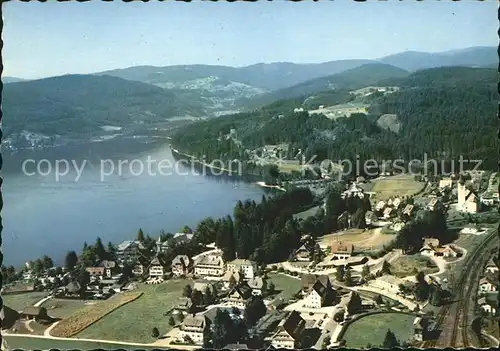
(443,113)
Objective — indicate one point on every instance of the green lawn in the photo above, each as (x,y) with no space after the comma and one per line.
(134,321)
(410,264)
(371,329)
(19,301)
(63,308)
(27,343)
(287,286)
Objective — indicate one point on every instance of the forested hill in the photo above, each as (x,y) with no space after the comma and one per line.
(84,103)
(443,112)
(368,74)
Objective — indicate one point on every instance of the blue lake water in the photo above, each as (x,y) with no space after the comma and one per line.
(42,215)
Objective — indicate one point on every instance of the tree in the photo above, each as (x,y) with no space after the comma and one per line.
(255,309)
(378,299)
(187,291)
(196,298)
(180,317)
(422,288)
(111,251)
(99,250)
(155,332)
(338,317)
(208,297)
(171,321)
(386,268)
(140,236)
(365,272)
(232,282)
(70,260)
(339,273)
(38,266)
(358,219)
(271,288)
(47,262)
(348,277)
(390,340)
(354,304)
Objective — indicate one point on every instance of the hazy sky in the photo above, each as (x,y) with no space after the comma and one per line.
(46,39)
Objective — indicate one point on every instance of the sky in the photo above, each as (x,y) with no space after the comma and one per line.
(49,39)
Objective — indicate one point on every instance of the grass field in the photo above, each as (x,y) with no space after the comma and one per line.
(141,315)
(371,329)
(290,166)
(27,343)
(410,264)
(63,308)
(368,239)
(287,286)
(85,317)
(19,301)
(400,185)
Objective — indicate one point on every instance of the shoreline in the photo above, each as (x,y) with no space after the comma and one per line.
(264,185)
(174,150)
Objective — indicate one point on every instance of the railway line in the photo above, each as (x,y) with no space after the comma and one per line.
(454,317)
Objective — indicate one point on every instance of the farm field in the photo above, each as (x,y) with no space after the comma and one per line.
(411,264)
(368,239)
(89,315)
(63,308)
(287,286)
(19,301)
(370,330)
(141,315)
(399,185)
(28,343)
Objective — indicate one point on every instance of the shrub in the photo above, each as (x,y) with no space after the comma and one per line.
(155,332)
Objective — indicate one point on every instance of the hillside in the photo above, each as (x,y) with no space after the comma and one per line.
(355,78)
(12,80)
(470,57)
(83,104)
(443,113)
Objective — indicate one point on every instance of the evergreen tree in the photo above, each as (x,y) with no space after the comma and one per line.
(140,236)
(340,273)
(390,340)
(70,260)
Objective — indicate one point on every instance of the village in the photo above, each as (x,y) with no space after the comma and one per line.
(323,296)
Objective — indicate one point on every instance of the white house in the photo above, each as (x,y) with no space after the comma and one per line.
(239,295)
(247,267)
(447,182)
(388,282)
(257,284)
(486,284)
(156,269)
(129,250)
(209,265)
(487,306)
(180,265)
(317,296)
(468,201)
(491,267)
(193,329)
(380,206)
(341,251)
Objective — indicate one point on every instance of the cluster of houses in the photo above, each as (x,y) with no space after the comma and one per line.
(432,247)
(488,289)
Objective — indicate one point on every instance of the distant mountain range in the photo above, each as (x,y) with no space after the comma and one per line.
(219,87)
(84,104)
(147,94)
(362,76)
(12,80)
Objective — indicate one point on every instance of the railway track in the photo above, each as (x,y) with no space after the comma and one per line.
(460,311)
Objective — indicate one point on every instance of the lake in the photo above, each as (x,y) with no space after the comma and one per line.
(48,214)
